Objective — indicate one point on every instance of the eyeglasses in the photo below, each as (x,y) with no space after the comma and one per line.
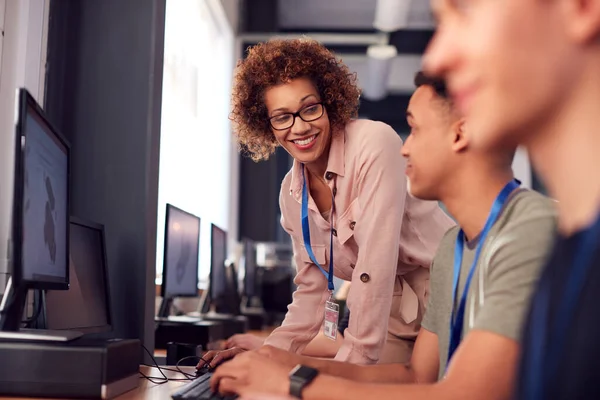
(285,121)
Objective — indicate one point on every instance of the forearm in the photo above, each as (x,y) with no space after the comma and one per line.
(322,346)
(331,388)
(380,373)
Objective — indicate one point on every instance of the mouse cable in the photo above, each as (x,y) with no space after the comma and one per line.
(159,380)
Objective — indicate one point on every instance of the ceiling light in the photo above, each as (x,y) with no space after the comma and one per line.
(391,15)
(379,64)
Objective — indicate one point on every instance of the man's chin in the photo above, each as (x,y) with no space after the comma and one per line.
(409,188)
(418,193)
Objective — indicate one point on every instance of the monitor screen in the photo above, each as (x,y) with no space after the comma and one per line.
(45,174)
(182,244)
(85,306)
(218,248)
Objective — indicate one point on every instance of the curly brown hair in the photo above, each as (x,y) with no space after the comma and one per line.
(279,61)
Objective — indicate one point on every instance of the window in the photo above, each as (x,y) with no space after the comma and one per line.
(195,148)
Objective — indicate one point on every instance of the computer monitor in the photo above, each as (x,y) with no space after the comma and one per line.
(85,307)
(181,252)
(223,295)
(218,256)
(250,271)
(230,302)
(40,234)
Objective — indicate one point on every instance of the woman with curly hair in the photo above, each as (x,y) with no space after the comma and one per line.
(344,202)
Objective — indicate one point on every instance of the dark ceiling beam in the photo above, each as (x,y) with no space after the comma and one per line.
(406,42)
(336,48)
(259,16)
(301,30)
(411,41)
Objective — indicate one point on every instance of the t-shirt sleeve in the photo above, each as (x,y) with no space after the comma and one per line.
(515,259)
(430,317)
(434,313)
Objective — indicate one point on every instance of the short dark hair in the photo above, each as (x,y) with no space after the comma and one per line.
(437,84)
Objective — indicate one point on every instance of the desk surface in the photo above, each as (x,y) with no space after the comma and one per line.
(146,389)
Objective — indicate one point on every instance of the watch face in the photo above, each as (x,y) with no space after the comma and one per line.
(305,373)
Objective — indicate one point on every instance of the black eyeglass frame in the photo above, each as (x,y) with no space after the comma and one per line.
(299,115)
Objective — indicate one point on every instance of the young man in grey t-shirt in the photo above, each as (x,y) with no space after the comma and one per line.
(442,166)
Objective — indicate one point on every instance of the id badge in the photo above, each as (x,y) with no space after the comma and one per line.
(330,325)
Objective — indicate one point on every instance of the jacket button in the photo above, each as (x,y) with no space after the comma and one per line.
(364,277)
(334,232)
(334,191)
(352,225)
(329,176)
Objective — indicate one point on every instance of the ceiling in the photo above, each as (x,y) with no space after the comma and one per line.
(346,27)
(344,14)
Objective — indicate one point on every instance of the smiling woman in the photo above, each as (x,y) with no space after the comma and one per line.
(344,202)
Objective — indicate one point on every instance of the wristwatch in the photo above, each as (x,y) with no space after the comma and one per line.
(300,377)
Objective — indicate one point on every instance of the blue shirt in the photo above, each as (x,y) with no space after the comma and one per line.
(578,372)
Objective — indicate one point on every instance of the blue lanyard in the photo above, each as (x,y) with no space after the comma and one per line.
(306,236)
(457,317)
(544,360)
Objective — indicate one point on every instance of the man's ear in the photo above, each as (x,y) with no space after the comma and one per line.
(583,19)
(460,139)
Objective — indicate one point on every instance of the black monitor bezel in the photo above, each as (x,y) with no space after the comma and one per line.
(163,286)
(211,285)
(109,317)
(26,101)
(249,250)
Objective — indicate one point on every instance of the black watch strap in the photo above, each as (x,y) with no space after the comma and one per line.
(300,377)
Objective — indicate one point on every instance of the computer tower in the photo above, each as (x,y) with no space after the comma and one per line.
(83,368)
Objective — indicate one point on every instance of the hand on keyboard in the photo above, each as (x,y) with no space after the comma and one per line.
(251,373)
(199,389)
(215,357)
(266,397)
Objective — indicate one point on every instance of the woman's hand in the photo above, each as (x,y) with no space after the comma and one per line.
(282,357)
(245,341)
(215,357)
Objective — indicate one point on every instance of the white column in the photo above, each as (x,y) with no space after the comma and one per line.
(23,50)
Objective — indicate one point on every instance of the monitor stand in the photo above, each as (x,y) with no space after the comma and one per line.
(165,307)
(11,312)
(40,335)
(164,313)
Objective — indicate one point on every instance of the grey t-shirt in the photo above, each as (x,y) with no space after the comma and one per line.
(508,268)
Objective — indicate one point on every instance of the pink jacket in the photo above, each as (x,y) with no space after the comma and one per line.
(380,232)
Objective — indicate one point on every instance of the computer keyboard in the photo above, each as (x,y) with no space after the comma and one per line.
(199,389)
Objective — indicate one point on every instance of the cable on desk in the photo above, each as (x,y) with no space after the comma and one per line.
(191,377)
(154,379)
(158,380)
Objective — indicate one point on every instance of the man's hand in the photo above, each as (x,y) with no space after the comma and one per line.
(246,341)
(251,374)
(215,357)
(285,358)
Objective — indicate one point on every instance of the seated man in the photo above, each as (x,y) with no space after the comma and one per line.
(481,281)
